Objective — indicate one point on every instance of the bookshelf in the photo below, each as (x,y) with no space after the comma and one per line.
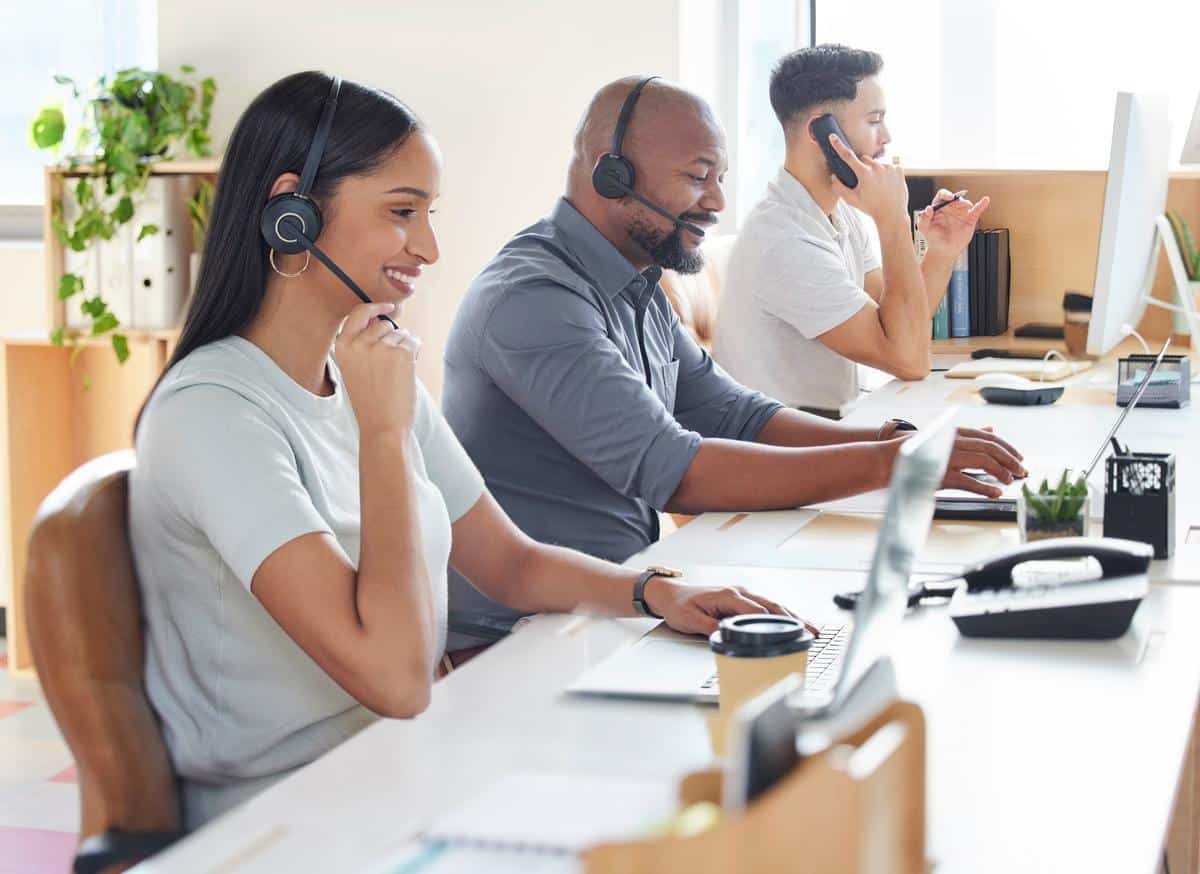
(63,406)
(1053,217)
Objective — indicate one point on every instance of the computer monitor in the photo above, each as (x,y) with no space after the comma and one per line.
(1135,195)
(1191,143)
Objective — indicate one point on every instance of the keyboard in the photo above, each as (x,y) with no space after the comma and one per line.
(824,656)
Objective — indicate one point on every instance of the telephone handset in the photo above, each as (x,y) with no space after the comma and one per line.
(1117,558)
(993,605)
(822,127)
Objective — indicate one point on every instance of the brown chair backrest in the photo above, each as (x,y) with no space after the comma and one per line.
(697,297)
(85,629)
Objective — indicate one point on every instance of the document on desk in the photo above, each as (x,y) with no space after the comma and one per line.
(425,858)
(555,813)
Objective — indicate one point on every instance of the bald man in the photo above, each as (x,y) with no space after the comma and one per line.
(587,406)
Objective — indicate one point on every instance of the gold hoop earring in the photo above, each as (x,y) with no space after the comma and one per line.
(271,258)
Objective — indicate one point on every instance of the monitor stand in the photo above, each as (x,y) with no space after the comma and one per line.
(1183,290)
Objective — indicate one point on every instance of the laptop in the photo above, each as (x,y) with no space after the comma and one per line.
(665,665)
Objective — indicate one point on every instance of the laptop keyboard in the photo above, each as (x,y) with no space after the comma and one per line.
(824,655)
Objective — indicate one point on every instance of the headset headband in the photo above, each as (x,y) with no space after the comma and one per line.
(626,112)
(317,149)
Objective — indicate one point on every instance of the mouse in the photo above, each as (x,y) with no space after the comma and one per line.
(1006,380)
(1013,390)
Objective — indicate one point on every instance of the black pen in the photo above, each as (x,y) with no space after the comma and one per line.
(958,195)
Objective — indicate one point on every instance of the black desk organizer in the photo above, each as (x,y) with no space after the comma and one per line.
(1139,499)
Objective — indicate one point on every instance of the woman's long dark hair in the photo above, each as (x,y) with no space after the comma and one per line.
(271,138)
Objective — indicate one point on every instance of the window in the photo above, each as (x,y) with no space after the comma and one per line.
(1019,83)
(77,38)
(969,83)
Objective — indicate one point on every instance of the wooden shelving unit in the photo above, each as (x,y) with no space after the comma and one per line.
(1053,217)
(65,405)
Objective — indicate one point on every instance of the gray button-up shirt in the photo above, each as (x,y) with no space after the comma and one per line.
(580,432)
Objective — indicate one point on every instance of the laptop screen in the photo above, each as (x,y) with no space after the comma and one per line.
(918,473)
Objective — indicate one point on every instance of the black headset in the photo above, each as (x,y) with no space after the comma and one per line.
(291,222)
(613,176)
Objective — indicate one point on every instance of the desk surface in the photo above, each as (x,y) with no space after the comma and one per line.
(1043,756)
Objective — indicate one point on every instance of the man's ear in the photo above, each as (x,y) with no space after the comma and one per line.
(286,183)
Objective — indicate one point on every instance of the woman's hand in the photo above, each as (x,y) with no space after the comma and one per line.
(699,609)
(378,364)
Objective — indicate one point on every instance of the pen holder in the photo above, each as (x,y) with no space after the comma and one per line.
(1170,387)
(1139,499)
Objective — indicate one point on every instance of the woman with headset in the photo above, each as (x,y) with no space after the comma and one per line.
(298,494)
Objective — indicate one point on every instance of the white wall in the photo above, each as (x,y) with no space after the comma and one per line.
(501,83)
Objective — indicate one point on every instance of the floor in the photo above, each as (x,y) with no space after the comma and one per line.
(39,798)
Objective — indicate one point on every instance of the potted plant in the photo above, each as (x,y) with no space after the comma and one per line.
(1191,263)
(130,120)
(1054,511)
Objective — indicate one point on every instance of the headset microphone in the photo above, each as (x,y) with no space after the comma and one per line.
(613,176)
(293,226)
(295,213)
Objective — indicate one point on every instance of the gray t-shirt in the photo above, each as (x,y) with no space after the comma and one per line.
(235,459)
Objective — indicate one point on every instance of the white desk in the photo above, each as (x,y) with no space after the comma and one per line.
(1043,756)
(1066,434)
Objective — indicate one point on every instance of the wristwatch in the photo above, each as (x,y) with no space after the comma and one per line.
(639,588)
(889,429)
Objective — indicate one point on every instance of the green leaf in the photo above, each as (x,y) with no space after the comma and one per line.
(147,231)
(187,68)
(48,128)
(94,306)
(57,337)
(121,346)
(60,228)
(106,322)
(70,285)
(124,210)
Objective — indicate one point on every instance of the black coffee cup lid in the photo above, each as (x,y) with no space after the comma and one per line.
(760,635)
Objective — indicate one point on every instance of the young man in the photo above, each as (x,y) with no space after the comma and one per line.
(808,292)
(585,404)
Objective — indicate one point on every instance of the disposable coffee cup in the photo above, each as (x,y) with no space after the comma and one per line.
(755,651)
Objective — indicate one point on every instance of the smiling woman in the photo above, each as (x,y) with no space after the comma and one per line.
(298,498)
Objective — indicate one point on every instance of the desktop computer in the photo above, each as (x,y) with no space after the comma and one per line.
(1135,198)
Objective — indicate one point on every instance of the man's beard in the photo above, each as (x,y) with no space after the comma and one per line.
(666,249)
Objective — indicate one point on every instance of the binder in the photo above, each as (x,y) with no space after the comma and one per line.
(958,293)
(975,280)
(999,271)
(941,319)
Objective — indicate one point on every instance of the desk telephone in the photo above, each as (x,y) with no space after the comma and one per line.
(1090,591)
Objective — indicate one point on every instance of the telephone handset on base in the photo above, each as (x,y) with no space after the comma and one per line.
(1117,558)
(993,605)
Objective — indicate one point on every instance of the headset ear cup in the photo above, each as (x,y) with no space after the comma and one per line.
(297,207)
(613,176)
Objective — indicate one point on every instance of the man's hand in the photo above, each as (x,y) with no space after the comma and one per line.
(976,449)
(948,230)
(699,609)
(880,193)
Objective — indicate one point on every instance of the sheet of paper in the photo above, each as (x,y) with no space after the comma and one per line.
(556,812)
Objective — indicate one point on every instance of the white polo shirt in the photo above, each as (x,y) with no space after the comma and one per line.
(793,275)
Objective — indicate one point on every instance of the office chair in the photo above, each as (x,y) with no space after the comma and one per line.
(696,298)
(85,630)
